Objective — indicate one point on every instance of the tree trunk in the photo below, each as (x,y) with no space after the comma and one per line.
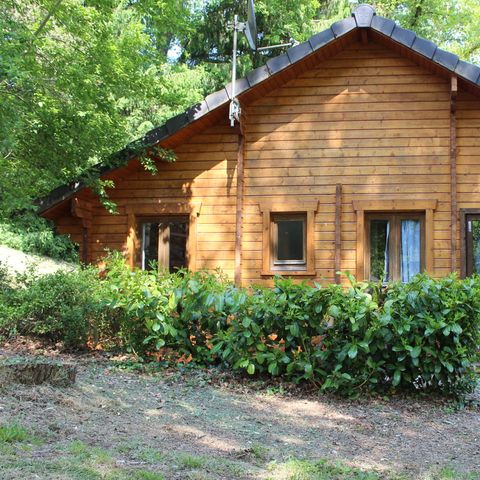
(37,371)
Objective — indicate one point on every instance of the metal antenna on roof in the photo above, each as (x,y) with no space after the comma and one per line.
(250,29)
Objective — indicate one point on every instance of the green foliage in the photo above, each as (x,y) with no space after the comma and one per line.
(33,234)
(78,81)
(63,306)
(435,332)
(177,311)
(422,336)
(419,336)
(13,432)
(8,318)
(209,42)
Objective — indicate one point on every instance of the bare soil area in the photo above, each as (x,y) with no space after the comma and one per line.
(201,424)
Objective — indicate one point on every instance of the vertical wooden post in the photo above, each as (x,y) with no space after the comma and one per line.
(453,170)
(85,243)
(239,206)
(131,239)
(360,273)
(429,240)
(338,231)
(82,209)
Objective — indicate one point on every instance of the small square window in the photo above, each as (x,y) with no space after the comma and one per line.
(289,241)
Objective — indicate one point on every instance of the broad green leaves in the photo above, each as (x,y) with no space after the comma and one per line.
(95,78)
(203,318)
(402,336)
(99,74)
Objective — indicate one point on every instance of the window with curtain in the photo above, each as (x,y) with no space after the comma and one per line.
(395,246)
(472,240)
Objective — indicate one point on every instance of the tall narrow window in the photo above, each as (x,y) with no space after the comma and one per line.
(379,249)
(472,237)
(395,246)
(164,242)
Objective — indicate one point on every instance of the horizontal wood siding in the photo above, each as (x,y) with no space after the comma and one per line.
(367,119)
(468,155)
(205,171)
(68,225)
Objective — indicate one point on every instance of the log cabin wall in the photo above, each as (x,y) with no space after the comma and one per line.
(468,158)
(68,225)
(203,174)
(368,119)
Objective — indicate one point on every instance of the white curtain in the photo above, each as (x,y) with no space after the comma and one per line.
(410,253)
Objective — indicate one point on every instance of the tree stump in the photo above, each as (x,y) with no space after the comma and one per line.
(35,371)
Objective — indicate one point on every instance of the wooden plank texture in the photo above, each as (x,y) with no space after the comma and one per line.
(362,130)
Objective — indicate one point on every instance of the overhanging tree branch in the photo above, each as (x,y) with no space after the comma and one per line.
(47,18)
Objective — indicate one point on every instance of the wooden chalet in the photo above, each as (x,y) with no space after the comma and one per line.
(358,150)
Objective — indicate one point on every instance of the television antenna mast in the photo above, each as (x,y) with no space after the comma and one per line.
(250,29)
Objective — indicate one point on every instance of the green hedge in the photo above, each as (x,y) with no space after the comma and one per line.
(421,336)
(33,234)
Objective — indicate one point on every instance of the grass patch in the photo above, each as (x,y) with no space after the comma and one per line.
(317,470)
(450,474)
(14,433)
(295,469)
(190,461)
(146,475)
(76,461)
(259,452)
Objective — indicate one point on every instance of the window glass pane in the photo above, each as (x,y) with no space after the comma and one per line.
(379,250)
(290,240)
(178,245)
(474,226)
(149,245)
(164,242)
(410,249)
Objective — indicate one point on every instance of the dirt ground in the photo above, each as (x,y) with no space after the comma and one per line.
(204,424)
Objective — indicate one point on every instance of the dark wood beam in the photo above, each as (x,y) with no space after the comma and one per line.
(453,169)
(338,231)
(85,253)
(364,35)
(239,204)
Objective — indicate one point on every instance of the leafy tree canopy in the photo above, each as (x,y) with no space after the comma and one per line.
(79,79)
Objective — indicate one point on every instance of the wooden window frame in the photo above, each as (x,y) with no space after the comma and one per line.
(277,264)
(363,207)
(395,219)
(270,209)
(464,212)
(136,212)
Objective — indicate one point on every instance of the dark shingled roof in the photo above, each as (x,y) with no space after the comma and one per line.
(363,17)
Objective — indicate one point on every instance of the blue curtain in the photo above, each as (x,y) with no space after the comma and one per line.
(410,249)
